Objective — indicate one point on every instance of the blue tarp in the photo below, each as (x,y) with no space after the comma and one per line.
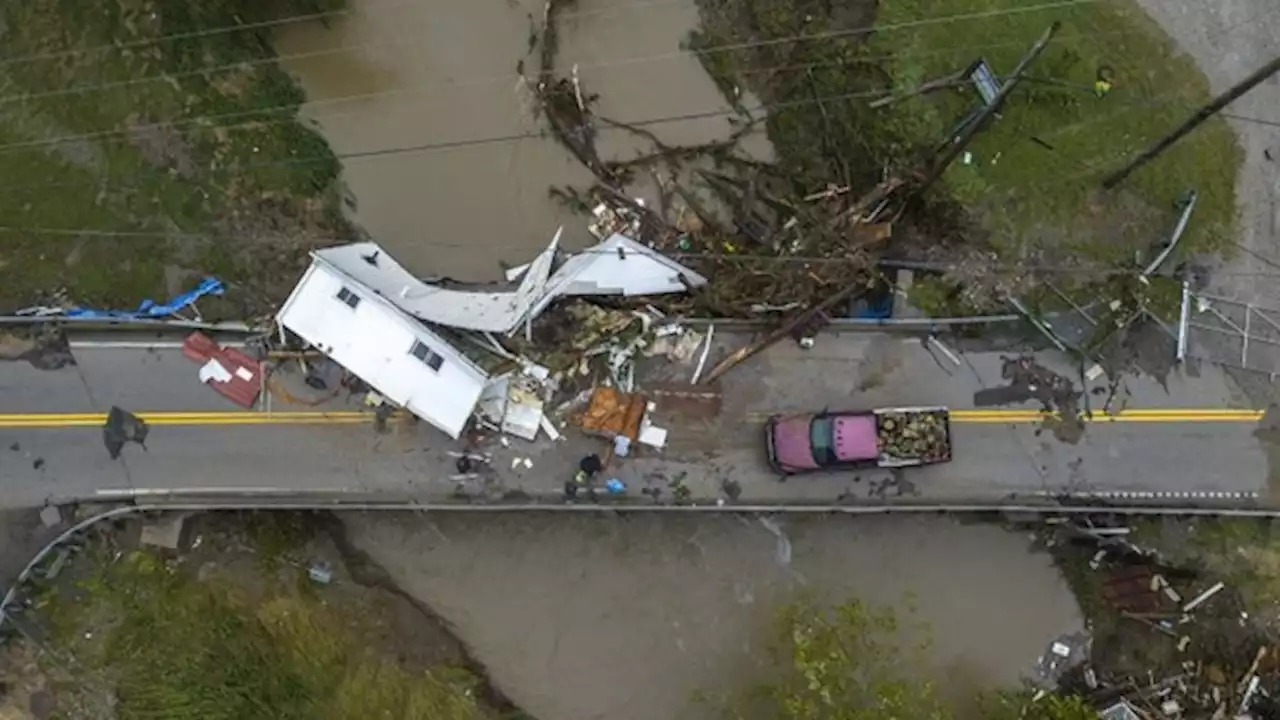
(150,309)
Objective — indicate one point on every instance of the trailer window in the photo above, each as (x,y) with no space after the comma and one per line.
(822,440)
(348,298)
(429,357)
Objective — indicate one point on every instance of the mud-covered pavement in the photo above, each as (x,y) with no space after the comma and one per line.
(579,618)
(717,459)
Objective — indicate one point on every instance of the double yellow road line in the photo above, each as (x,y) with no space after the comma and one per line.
(315,417)
(75,420)
(1152,415)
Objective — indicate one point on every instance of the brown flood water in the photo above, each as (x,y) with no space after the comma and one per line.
(407,73)
(627,618)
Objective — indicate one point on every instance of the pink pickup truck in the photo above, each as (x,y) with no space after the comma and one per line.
(887,438)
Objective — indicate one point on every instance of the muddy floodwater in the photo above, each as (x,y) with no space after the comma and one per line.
(429,94)
(580,618)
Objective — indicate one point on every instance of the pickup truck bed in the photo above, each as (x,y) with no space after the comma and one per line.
(913,436)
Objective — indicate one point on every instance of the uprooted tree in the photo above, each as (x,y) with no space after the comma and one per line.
(849,663)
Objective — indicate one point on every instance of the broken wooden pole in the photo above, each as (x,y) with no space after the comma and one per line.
(782,331)
(959,143)
(1213,108)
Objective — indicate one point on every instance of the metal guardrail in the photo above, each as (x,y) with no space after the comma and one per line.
(128,325)
(338,498)
(928,326)
(285,504)
(134,324)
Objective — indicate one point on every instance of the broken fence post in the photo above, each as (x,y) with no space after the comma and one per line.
(1184,317)
(702,359)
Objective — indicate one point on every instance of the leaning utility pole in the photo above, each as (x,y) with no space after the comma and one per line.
(959,143)
(1203,114)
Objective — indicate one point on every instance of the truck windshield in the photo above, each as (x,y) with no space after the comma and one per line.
(822,440)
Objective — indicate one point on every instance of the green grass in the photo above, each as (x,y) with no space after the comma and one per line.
(174,647)
(246,174)
(1038,202)
(1014,199)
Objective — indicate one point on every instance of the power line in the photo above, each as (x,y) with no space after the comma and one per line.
(479,82)
(122,133)
(191,35)
(278,22)
(522,136)
(266,60)
(660,120)
(733,257)
(713,49)
(1136,100)
(516,137)
(502,139)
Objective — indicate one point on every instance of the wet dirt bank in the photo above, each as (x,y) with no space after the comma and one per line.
(365,571)
(630,617)
(431,95)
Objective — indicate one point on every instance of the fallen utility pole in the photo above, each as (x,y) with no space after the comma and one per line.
(959,143)
(1206,112)
(782,331)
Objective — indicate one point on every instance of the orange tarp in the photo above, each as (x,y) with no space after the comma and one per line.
(611,413)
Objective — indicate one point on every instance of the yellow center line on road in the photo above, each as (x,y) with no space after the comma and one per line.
(317,417)
(304,417)
(1128,415)
(1147,415)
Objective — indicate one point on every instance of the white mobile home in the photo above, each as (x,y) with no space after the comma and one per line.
(369,335)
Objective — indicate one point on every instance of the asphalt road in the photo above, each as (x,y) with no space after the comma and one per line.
(1202,452)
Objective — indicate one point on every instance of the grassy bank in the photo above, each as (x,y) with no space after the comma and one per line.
(240,632)
(1027,192)
(132,130)
(1034,174)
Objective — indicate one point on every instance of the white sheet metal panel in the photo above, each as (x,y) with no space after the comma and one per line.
(373,341)
(601,270)
(484,311)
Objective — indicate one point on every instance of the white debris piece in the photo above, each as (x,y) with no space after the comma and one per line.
(685,347)
(513,274)
(1203,597)
(618,266)
(213,371)
(622,446)
(702,359)
(549,428)
(492,405)
(653,436)
(523,416)
(502,311)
